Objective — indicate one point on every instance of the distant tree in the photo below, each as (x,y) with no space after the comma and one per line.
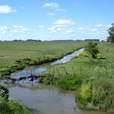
(92,49)
(110,38)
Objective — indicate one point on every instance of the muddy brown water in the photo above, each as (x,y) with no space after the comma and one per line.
(45,99)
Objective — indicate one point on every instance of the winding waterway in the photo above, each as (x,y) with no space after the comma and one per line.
(45,99)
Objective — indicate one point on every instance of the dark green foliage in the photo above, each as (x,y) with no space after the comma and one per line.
(4,88)
(12,107)
(97,98)
(82,102)
(68,83)
(47,80)
(110,38)
(40,80)
(92,49)
(9,106)
(6,91)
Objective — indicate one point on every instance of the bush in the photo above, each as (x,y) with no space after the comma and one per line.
(92,49)
(10,106)
(83,54)
(75,56)
(85,91)
(4,88)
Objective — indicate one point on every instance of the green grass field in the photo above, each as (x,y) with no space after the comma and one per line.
(36,52)
(28,53)
(94,78)
(86,65)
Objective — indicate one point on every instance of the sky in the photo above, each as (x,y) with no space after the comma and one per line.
(55,19)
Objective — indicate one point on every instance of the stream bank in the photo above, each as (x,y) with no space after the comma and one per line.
(44,99)
(22,63)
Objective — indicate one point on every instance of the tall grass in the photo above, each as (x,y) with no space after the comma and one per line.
(96,87)
(68,83)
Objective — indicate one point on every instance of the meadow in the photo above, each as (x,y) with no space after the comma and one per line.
(94,78)
(17,55)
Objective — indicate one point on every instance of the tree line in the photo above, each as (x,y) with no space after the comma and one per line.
(110,38)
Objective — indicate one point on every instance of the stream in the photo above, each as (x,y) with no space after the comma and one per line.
(45,99)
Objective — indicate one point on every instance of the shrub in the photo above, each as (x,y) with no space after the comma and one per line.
(10,106)
(92,49)
(83,54)
(4,88)
(48,57)
(75,56)
(85,91)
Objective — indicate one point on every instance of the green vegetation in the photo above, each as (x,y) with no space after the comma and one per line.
(17,55)
(92,49)
(98,92)
(110,38)
(8,105)
(68,83)
(94,78)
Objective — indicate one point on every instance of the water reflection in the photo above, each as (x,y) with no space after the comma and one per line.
(45,99)
(67,58)
(40,68)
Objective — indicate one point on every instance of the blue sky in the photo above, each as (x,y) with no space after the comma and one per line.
(55,19)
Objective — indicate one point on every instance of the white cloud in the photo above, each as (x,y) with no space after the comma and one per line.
(80,28)
(41,26)
(59,29)
(51,28)
(60,25)
(51,14)
(6,9)
(63,22)
(103,26)
(93,30)
(101,33)
(70,31)
(4,32)
(4,28)
(53,31)
(59,10)
(24,30)
(53,5)
(15,30)
(16,26)
(87,27)
(19,28)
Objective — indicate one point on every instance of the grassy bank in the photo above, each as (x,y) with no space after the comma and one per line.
(17,55)
(98,93)
(94,78)
(8,105)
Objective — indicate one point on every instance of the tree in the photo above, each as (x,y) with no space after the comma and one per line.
(110,38)
(92,49)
